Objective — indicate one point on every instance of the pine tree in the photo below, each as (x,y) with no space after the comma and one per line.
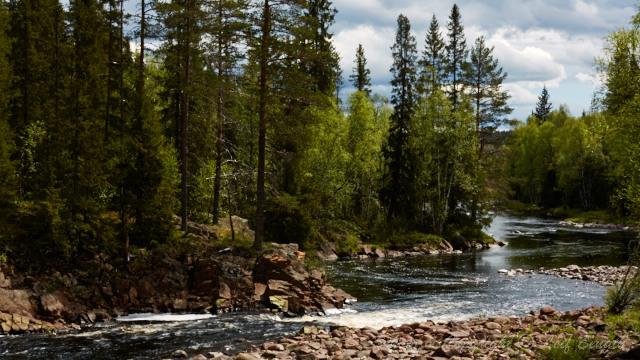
(397,193)
(263,94)
(7,169)
(361,77)
(456,56)
(433,62)
(182,22)
(225,28)
(40,61)
(484,76)
(543,107)
(323,62)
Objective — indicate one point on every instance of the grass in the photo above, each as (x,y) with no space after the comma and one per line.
(575,348)
(627,321)
(593,217)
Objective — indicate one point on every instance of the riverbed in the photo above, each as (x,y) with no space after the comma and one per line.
(390,292)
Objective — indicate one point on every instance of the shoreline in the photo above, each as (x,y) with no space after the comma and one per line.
(497,337)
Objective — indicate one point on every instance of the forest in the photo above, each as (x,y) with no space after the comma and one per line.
(234,107)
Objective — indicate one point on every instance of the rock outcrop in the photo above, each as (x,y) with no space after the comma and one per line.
(210,281)
(603,275)
(282,282)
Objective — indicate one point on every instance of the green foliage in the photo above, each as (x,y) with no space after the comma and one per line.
(627,321)
(286,221)
(409,240)
(626,293)
(570,349)
(398,191)
(361,77)
(561,162)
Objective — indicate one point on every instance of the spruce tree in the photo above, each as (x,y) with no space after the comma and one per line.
(7,169)
(323,62)
(361,77)
(263,94)
(225,28)
(484,77)
(398,190)
(433,62)
(457,53)
(543,107)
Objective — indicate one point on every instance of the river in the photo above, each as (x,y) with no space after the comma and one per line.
(390,292)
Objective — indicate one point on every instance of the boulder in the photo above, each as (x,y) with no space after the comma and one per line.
(547,310)
(53,304)
(16,302)
(179,354)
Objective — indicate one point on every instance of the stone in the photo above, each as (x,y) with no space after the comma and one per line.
(547,310)
(446,351)
(492,326)
(273,346)
(16,302)
(246,356)
(198,357)
(52,304)
(179,304)
(351,343)
(179,354)
(460,334)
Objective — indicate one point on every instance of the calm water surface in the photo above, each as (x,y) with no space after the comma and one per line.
(390,292)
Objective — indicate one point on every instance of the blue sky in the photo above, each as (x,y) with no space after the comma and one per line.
(538,42)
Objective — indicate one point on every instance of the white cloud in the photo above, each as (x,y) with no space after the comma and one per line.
(589,78)
(526,62)
(521,96)
(377,46)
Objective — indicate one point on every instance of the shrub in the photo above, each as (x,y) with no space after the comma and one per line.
(409,240)
(627,293)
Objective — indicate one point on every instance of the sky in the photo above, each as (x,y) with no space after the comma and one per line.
(552,43)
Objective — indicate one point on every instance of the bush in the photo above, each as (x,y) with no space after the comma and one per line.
(409,240)
(626,293)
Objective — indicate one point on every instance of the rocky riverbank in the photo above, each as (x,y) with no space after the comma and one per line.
(483,338)
(603,275)
(368,251)
(197,280)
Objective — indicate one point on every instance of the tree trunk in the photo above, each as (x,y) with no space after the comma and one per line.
(220,131)
(141,73)
(184,118)
(262,131)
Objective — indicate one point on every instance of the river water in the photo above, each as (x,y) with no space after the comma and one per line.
(389,292)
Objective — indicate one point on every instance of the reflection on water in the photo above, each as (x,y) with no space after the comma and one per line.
(390,292)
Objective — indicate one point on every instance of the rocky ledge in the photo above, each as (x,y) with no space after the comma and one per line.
(579,225)
(603,275)
(483,338)
(367,251)
(214,281)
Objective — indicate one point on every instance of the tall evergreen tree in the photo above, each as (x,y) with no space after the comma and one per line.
(182,25)
(40,59)
(263,94)
(361,77)
(7,170)
(484,77)
(433,62)
(457,54)
(323,66)
(225,26)
(543,106)
(398,190)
